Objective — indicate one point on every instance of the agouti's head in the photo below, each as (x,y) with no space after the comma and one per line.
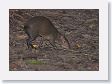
(64,42)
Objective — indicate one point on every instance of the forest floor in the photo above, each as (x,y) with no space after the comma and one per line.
(81,28)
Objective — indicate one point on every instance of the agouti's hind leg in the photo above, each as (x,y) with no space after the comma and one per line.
(52,42)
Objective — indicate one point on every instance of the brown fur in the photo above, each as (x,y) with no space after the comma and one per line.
(41,26)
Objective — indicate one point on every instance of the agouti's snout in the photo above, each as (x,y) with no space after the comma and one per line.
(41,26)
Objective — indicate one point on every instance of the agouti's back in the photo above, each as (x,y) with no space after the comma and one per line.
(41,26)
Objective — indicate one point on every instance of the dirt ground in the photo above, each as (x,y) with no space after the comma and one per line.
(81,28)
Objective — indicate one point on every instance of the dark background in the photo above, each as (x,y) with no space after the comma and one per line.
(81,28)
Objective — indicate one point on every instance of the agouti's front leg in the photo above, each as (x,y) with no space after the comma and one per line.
(29,43)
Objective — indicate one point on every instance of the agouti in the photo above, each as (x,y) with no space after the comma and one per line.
(42,26)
